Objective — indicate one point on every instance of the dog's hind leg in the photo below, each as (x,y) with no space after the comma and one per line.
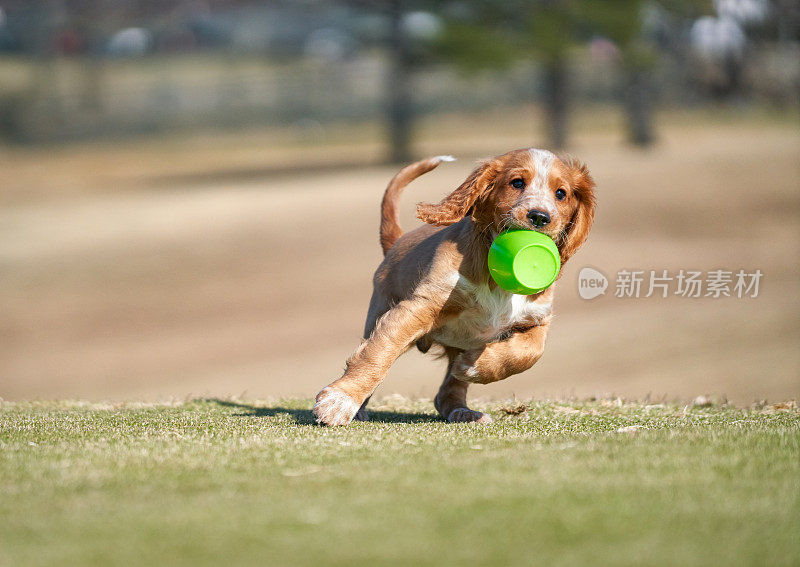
(451,401)
(361,414)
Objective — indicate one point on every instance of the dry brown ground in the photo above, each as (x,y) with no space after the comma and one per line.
(223,264)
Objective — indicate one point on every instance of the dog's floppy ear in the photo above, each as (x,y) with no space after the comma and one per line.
(577,231)
(460,202)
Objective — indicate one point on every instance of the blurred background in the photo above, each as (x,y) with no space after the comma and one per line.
(189,190)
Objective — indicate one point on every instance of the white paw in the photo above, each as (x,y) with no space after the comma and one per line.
(334,407)
(462,415)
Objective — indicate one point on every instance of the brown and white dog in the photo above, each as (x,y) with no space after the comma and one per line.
(434,287)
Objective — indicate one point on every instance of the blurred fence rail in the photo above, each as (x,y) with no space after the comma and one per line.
(182,91)
(76,98)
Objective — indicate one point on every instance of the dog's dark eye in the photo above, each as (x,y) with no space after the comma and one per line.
(561,194)
(518,184)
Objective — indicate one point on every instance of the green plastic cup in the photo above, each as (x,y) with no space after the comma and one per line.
(524,261)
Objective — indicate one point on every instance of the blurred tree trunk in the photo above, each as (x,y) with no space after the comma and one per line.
(638,103)
(93,80)
(43,108)
(93,64)
(556,103)
(400,113)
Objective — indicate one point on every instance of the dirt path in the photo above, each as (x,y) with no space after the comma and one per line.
(260,285)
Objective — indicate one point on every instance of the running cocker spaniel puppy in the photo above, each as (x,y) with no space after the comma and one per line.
(434,287)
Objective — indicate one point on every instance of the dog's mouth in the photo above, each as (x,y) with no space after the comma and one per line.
(516,224)
(517,219)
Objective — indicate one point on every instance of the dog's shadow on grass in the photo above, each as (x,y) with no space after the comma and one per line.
(306,417)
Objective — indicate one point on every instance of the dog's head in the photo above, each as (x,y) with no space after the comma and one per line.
(526,189)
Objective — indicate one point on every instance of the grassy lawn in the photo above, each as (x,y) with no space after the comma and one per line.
(550,483)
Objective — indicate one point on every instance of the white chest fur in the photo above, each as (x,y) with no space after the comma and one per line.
(488,313)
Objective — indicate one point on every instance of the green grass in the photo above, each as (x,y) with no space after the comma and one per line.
(550,483)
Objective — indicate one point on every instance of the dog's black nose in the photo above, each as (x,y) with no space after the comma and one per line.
(538,218)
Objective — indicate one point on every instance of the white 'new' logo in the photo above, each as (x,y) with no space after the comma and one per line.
(591,283)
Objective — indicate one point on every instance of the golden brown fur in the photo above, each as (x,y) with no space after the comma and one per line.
(434,288)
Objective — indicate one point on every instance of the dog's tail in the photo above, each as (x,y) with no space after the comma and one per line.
(390,220)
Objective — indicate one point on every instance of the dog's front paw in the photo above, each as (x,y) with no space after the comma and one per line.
(334,407)
(462,415)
